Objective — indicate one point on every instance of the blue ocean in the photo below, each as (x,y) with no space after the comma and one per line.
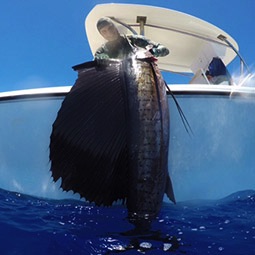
(31,225)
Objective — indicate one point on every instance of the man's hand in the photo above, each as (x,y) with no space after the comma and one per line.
(102,56)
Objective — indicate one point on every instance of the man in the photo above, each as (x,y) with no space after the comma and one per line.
(217,72)
(119,46)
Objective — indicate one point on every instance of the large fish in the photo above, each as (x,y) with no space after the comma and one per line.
(110,139)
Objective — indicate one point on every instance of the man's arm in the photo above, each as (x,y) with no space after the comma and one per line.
(157,49)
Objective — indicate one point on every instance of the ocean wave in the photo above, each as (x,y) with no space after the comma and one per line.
(31,225)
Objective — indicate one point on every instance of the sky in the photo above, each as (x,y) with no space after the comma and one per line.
(42,39)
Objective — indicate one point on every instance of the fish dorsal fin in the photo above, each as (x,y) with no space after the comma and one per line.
(88,140)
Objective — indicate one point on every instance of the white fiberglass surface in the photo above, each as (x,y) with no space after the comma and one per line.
(218,158)
(215,161)
(25,130)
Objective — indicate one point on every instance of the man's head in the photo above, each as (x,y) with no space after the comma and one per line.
(107,29)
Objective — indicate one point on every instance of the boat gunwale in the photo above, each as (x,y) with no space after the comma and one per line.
(194,89)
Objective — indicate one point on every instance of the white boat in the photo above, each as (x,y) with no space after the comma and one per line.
(217,160)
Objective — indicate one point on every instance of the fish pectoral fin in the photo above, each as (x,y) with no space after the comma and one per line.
(169,190)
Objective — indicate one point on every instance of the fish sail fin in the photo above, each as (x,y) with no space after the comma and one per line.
(88,149)
(169,190)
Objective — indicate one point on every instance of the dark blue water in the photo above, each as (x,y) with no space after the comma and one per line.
(38,226)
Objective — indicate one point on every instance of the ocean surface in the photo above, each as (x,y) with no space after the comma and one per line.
(31,225)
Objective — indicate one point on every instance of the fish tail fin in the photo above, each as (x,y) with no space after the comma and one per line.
(169,190)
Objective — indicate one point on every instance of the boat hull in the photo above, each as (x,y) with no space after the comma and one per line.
(220,152)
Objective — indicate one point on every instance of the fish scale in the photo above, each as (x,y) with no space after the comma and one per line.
(148,171)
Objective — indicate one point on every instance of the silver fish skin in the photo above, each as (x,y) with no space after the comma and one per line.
(148,142)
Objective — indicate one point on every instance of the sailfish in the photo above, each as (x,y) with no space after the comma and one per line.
(110,139)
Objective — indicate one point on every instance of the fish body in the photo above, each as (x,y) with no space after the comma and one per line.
(110,139)
(148,140)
